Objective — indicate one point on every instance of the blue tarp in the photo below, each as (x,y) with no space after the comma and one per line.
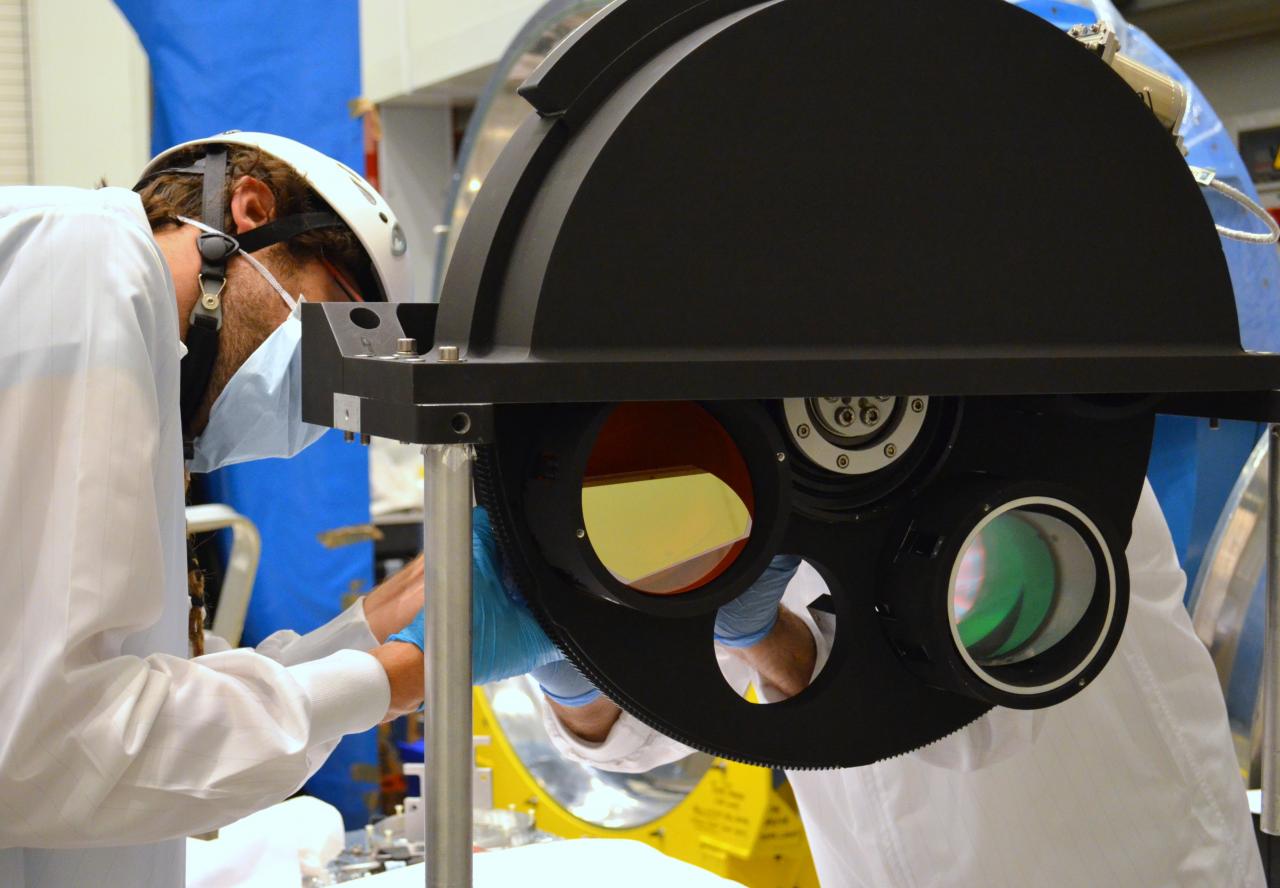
(286,67)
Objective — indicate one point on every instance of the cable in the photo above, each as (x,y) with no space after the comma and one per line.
(1209,179)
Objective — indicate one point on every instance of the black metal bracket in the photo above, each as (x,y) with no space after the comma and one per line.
(414,423)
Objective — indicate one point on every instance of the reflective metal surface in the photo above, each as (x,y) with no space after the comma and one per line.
(1269,822)
(603,798)
(1227,605)
(446,797)
(499,111)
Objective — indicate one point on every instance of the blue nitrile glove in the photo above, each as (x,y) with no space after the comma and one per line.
(562,682)
(751,616)
(505,638)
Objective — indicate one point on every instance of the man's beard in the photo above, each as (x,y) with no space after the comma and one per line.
(251,311)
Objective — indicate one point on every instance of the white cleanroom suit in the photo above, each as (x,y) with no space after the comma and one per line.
(110,734)
(1133,782)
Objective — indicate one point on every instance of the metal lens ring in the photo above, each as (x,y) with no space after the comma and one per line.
(1031,595)
(855,435)
(670,508)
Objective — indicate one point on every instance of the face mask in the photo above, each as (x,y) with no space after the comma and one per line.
(259,413)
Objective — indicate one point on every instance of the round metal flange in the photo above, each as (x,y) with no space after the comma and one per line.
(855,435)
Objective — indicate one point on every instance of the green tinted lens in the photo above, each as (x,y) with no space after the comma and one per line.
(1024,581)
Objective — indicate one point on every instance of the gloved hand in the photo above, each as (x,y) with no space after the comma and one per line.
(562,682)
(506,640)
(751,616)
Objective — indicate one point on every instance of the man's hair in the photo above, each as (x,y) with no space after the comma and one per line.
(169,195)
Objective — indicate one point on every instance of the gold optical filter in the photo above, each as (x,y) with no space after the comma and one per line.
(667,503)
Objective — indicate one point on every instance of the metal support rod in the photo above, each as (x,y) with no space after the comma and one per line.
(1270,821)
(446,793)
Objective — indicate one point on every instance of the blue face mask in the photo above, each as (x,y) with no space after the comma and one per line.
(259,412)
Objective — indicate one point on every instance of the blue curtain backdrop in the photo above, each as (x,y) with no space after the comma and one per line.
(287,67)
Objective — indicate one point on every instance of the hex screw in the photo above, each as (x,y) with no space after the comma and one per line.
(448,354)
(870,416)
(917,405)
(845,416)
(842,461)
(802,430)
(890,450)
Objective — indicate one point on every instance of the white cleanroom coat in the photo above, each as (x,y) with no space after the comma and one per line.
(1133,782)
(113,745)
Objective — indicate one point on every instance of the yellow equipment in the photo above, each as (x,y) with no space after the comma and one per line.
(737,821)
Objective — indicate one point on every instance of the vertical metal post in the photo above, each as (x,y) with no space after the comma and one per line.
(1270,821)
(446,793)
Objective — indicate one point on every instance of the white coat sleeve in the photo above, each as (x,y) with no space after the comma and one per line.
(348,631)
(98,747)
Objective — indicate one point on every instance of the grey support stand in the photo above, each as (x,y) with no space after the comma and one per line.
(447,707)
(1270,822)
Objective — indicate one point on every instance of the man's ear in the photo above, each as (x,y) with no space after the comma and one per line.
(252,204)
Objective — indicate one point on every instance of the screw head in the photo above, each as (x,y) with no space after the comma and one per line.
(871,416)
(917,405)
(802,430)
(581,534)
(890,450)
(842,461)
(448,354)
(782,457)
(845,416)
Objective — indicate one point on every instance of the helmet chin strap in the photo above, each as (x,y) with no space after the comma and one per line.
(206,317)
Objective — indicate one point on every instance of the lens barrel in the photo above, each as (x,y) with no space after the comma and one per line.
(1011,593)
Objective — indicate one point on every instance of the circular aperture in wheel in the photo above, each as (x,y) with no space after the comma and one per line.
(752,620)
(1025,579)
(667,501)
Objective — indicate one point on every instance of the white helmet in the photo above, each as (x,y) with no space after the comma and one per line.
(353,199)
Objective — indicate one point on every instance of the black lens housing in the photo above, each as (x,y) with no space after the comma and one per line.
(915,592)
(553,505)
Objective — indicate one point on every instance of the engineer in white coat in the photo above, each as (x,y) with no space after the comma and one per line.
(114,744)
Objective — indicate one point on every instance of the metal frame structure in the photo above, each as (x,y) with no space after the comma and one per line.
(617,252)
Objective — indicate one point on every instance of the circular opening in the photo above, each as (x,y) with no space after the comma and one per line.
(1024,579)
(739,623)
(667,502)
(365,319)
(461,423)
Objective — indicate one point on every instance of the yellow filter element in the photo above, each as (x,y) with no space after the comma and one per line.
(663,533)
